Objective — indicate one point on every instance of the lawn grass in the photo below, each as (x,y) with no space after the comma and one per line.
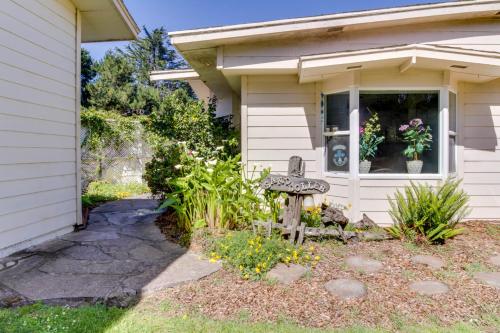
(101,191)
(99,319)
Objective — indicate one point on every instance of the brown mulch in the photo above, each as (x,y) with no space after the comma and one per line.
(225,295)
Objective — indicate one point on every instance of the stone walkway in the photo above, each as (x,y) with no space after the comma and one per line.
(119,257)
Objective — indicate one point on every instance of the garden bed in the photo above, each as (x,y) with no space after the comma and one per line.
(389,302)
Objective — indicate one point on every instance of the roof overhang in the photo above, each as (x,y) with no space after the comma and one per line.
(212,37)
(106,20)
(174,74)
(433,57)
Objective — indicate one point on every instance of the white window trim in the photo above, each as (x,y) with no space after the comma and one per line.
(454,134)
(324,166)
(443,157)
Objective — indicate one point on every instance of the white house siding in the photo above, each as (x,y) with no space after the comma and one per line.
(481,147)
(481,34)
(281,118)
(38,91)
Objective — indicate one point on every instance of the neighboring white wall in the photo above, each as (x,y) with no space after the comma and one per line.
(38,94)
(281,118)
(481,147)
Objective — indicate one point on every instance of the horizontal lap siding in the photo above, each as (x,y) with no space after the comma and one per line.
(480,34)
(375,195)
(281,123)
(37,120)
(481,148)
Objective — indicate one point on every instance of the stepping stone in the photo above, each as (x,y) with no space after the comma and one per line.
(364,264)
(90,236)
(495,260)
(429,288)
(286,274)
(430,261)
(489,278)
(346,288)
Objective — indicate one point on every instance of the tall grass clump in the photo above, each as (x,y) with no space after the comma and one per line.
(422,214)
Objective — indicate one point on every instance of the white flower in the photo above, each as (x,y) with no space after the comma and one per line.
(178,166)
(219,148)
(257,165)
(199,159)
(183,143)
(212,162)
(194,152)
(210,170)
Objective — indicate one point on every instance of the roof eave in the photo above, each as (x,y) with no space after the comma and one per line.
(192,39)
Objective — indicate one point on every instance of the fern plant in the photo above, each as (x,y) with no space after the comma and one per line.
(422,214)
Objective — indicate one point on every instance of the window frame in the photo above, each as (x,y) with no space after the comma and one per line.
(324,162)
(453,134)
(354,91)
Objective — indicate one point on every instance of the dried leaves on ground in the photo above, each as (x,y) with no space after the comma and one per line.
(389,301)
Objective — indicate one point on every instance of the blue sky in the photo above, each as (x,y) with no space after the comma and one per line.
(190,14)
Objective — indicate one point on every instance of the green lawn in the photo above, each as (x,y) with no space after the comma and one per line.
(44,319)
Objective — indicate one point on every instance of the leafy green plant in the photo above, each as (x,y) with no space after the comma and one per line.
(370,138)
(214,191)
(418,137)
(423,214)
(254,255)
(311,217)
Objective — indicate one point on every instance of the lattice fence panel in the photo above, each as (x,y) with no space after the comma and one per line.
(122,164)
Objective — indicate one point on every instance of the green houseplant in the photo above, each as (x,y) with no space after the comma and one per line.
(419,139)
(369,139)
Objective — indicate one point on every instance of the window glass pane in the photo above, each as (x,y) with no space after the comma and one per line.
(395,108)
(452,153)
(337,153)
(337,112)
(452,112)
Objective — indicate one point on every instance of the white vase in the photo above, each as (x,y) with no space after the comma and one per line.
(364,166)
(414,166)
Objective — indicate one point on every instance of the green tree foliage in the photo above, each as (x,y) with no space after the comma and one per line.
(88,73)
(113,89)
(151,53)
(120,81)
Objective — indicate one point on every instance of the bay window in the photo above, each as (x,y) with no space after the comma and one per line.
(394,111)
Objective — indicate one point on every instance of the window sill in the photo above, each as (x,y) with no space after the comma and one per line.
(332,174)
(424,176)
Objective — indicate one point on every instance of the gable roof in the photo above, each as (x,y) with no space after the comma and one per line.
(210,37)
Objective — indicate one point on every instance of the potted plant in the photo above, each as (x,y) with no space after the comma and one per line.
(419,139)
(369,139)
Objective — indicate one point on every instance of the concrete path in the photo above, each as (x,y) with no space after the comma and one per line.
(119,257)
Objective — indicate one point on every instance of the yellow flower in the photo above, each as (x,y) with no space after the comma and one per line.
(257,269)
(317,258)
(311,248)
(213,260)
(264,265)
(246,276)
(241,267)
(308,257)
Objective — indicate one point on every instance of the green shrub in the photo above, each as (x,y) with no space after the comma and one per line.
(213,193)
(253,256)
(423,214)
(161,169)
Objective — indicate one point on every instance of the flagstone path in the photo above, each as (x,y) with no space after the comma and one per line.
(119,257)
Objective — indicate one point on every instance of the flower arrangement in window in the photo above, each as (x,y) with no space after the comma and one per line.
(369,139)
(419,139)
